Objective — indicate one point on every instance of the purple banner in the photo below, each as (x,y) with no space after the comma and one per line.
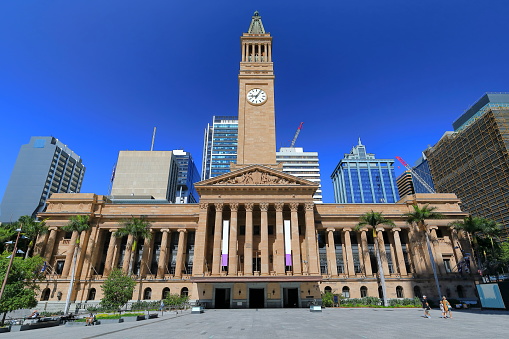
(288,259)
(224,259)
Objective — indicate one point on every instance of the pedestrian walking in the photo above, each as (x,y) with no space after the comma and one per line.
(426,307)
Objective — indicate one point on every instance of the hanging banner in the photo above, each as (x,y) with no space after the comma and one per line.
(288,243)
(224,247)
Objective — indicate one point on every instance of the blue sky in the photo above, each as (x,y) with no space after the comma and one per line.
(99,75)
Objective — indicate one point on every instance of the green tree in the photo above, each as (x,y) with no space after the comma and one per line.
(22,283)
(7,232)
(31,229)
(137,228)
(175,300)
(418,218)
(375,219)
(78,224)
(117,290)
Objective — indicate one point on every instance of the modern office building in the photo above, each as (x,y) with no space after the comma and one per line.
(145,175)
(405,184)
(219,146)
(303,165)
(473,161)
(256,239)
(361,178)
(187,176)
(44,166)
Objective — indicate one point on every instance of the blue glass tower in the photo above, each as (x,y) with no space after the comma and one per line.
(422,169)
(360,178)
(187,176)
(220,146)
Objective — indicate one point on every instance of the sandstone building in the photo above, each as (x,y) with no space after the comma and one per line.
(256,239)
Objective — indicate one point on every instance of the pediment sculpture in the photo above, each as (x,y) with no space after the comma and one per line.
(256,178)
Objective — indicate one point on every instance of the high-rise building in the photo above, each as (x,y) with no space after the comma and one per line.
(303,165)
(421,168)
(219,146)
(473,161)
(145,175)
(361,178)
(187,176)
(44,166)
(405,184)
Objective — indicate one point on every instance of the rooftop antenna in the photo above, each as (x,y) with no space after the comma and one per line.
(153,139)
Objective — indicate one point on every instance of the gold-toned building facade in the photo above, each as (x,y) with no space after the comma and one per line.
(256,239)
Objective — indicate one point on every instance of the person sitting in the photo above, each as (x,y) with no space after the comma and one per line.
(34,315)
(90,320)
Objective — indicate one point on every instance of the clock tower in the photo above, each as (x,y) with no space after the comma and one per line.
(257,130)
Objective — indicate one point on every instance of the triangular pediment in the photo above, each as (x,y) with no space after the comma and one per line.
(256,175)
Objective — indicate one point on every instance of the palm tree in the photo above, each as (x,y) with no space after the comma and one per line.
(374,219)
(137,228)
(418,218)
(32,229)
(77,223)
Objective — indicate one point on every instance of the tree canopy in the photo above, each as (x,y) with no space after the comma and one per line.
(117,290)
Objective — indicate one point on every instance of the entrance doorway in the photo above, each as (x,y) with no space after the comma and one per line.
(222,298)
(256,298)
(290,297)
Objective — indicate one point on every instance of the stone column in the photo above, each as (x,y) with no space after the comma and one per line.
(331,253)
(218,228)
(50,245)
(365,252)
(248,244)
(436,250)
(69,255)
(127,254)
(181,253)
(91,253)
(399,251)
(264,239)
(296,260)
(383,253)
(200,244)
(347,251)
(456,245)
(39,244)
(146,258)
(108,265)
(279,246)
(313,262)
(232,248)
(162,263)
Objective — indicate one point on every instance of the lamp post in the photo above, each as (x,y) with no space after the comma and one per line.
(10,262)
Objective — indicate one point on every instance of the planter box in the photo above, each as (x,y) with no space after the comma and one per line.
(131,319)
(109,321)
(4,329)
(153,316)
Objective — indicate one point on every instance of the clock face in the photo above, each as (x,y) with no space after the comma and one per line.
(256,96)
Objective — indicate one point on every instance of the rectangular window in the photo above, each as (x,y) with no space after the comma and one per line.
(242,230)
(59,267)
(270,230)
(447,265)
(256,230)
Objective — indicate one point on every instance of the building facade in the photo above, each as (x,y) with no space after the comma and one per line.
(303,165)
(219,146)
(361,178)
(187,176)
(405,184)
(473,162)
(256,239)
(44,166)
(422,169)
(145,175)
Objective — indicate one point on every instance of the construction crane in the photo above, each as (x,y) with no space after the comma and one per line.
(296,135)
(415,175)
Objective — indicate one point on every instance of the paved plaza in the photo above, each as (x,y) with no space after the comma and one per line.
(293,323)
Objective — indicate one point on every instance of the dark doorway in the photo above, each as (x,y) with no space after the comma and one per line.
(222,298)
(291,297)
(256,298)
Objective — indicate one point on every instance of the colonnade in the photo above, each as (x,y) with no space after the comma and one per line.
(259,51)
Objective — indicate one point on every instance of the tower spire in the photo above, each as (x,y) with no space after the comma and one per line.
(256,26)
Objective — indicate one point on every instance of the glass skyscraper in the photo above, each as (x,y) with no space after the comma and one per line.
(361,178)
(187,176)
(219,146)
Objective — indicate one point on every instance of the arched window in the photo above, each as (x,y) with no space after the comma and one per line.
(328,289)
(166,293)
(147,294)
(460,291)
(184,291)
(399,292)
(346,292)
(380,292)
(45,294)
(364,291)
(417,292)
(91,294)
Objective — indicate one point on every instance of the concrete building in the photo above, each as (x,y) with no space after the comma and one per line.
(405,184)
(219,146)
(361,178)
(145,175)
(303,165)
(256,239)
(44,166)
(473,161)
(187,176)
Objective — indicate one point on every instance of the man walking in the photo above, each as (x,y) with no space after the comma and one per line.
(425,306)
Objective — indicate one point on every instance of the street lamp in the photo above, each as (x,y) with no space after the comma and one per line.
(14,251)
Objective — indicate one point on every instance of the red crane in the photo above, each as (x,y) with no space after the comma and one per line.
(296,135)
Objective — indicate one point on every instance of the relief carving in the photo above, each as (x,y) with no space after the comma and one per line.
(256,178)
